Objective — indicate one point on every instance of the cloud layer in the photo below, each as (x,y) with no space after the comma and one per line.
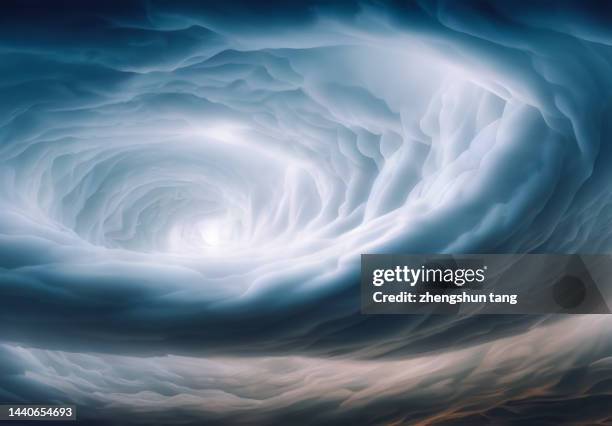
(184,182)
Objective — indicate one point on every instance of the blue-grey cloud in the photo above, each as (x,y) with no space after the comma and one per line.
(483,384)
(200,180)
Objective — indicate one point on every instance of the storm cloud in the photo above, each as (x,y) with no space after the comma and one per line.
(185,191)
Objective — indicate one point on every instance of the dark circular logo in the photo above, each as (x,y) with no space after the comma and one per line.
(569,292)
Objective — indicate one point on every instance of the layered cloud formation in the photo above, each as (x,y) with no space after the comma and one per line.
(184,182)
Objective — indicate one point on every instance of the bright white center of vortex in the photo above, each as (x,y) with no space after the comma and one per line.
(213,233)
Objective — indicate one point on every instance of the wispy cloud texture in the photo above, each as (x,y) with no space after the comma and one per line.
(185,191)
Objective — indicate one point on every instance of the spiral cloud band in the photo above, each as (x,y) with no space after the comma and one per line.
(185,191)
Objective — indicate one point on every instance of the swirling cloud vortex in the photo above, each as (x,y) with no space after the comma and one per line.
(177,180)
